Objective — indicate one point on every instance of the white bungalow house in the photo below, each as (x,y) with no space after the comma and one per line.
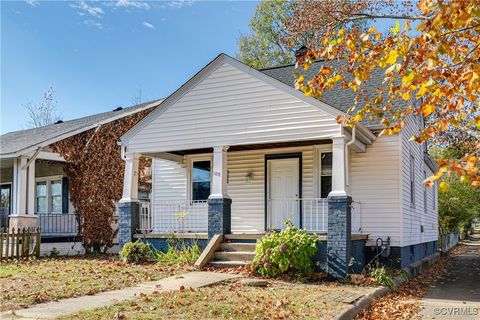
(238,151)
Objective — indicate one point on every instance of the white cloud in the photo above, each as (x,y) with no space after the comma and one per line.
(96,12)
(93,24)
(148,25)
(132,4)
(177,4)
(33,3)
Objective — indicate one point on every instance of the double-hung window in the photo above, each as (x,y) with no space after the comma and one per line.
(325,174)
(48,195)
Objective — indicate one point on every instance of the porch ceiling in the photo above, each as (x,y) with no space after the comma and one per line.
(257,146)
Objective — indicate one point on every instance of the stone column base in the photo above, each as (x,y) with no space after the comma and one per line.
(128,221)
(219,216)
(339,236)
(22,221)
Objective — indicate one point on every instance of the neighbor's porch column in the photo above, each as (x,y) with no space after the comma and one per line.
(339,236)
(219,203)
(23,194)
(128,206)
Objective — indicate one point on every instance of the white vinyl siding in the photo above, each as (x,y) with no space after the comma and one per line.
(169,181)
(413,214)
(231,107)
(375,182)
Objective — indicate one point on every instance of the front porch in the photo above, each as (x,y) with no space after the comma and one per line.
(245,190)
(34,193)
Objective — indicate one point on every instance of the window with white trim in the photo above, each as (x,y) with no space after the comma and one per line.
(48,195)
(325,174)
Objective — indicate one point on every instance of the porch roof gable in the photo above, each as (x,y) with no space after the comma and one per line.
(211,67)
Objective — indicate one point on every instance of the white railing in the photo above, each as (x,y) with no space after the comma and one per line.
(174,216)
(192,216)
(314,214)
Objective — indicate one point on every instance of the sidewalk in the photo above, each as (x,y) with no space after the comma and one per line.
(457,294)
(63,307)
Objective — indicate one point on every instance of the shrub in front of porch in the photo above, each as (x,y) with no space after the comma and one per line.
(136,252)
(289,251)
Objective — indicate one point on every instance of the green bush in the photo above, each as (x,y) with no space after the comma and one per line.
(136,252)
(179,252)
(287,252)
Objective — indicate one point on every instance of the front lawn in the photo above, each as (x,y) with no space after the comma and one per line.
(236,301)
(30,282)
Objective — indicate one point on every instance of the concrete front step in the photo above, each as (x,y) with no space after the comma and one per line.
(227,264)
(244,236)
(234,256)
(237,247)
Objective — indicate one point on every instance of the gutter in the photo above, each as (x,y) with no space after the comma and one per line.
(347,160)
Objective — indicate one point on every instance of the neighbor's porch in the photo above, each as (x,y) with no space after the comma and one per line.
(34,193)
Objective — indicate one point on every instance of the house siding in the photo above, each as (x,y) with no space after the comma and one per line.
(231,107)
(375,183)
(413,215)
(169,180)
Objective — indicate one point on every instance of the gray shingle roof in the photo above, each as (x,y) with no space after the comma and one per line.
(341,99)
(19,140)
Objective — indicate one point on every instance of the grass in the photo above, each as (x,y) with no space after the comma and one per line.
(234,301)
(25,283)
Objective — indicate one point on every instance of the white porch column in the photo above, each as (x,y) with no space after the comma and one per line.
(219,177)
(19,191)
(130,178)
(339,187)
(23,181)
(31,188)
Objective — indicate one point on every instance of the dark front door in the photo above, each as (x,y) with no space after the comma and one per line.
(5,204)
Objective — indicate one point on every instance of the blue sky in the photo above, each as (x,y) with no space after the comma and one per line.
(99,55)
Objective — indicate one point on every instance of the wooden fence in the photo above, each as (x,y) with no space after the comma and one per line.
(19,243)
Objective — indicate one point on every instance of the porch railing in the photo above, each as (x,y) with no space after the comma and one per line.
(58,224)
(174,216)
(314,214)
(192,216)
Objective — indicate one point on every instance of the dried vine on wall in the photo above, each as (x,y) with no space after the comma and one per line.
(95,172)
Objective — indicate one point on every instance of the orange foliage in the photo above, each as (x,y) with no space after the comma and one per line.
(430,66)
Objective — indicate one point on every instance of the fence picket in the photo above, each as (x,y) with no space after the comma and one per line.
(17,243)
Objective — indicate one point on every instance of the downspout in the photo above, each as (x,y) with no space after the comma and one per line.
(347,160)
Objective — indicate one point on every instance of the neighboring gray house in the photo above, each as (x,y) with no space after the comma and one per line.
(33,186)
(237,151)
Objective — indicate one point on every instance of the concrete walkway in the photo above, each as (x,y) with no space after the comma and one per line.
(63,307)
(457,294)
